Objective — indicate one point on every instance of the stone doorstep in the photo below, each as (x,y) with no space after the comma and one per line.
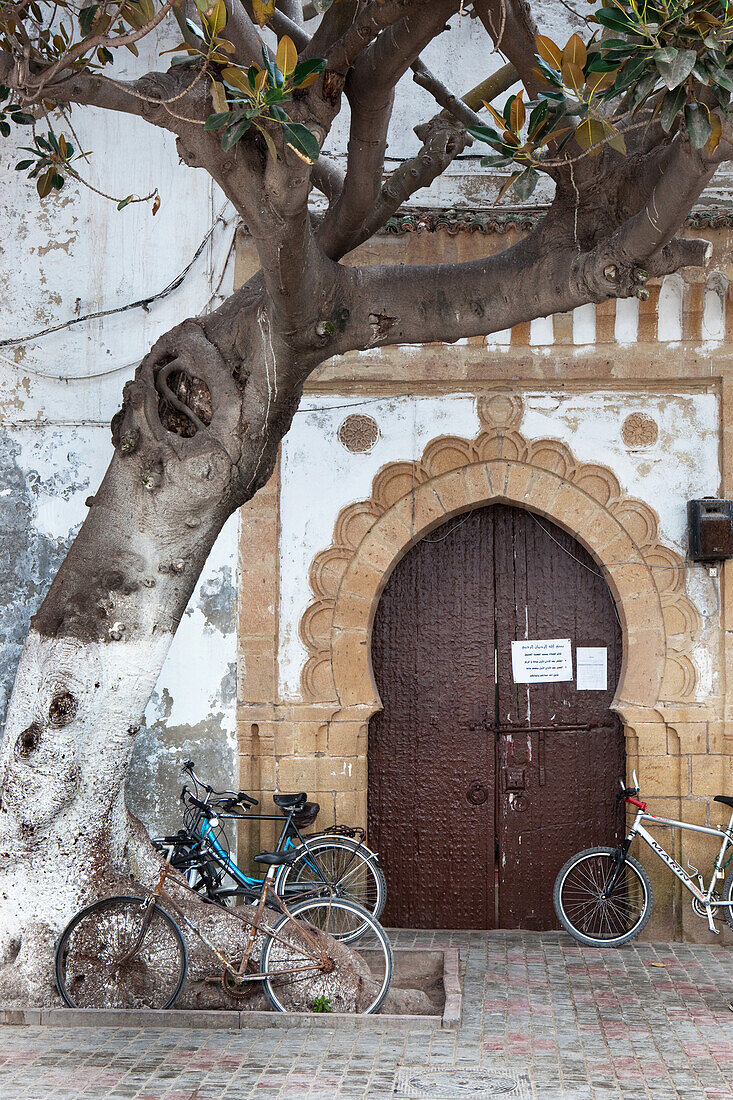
(232,1020)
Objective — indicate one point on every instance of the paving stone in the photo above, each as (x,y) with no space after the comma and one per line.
(584,1024)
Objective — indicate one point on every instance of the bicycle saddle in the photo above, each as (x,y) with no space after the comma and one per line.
(287,801)
(276,859)
(726,799)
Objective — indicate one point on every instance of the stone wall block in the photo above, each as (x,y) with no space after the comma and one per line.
(347,774)
(347,739)
(693,737)
(653,740)
(710,775)
(419,510)
(657,778)
(451,489)
(351,807)
(352,671)
(296,773)
(361,579)
(352,612)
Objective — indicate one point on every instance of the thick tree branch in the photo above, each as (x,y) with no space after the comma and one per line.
(443,140)
(547,272)
(370,91)
(242,33)
(443,96)
(512,27)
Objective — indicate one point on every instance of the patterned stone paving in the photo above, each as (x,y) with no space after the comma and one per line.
(643,1022)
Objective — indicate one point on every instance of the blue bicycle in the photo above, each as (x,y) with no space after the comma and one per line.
(337,862)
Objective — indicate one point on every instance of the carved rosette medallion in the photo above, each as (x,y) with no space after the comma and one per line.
(358,433)
(639,430)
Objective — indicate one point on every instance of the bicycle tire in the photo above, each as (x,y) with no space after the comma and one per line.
(87,975)
(352,984)
(586,915)
(351,870)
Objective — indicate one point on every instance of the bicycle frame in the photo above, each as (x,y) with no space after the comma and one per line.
(703,895)
(250,883)
(255,925)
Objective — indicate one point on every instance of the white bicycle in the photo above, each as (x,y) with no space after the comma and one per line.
(603,896)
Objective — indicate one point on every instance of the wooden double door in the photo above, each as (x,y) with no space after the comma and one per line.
(480,788)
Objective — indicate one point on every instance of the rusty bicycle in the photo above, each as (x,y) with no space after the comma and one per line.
(130,952)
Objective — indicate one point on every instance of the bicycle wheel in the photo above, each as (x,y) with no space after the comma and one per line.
(350,869)
(309,971)
(586,914)
(92,967)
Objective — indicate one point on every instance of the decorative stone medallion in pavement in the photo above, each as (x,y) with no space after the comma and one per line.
(427,1083)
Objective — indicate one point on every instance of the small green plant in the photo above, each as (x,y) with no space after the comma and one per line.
(322,1003)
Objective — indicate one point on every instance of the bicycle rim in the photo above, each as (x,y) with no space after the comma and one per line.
(309,971)
(349,870)
(584,908)
(93,969)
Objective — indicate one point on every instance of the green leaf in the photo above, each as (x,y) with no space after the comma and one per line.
(45,183)
(216,121)
(23,119)
(675,71)
(614,20)
(628,75)
(232,134)
(506,185)
(301,140)
(57,181)
(313,67)
(86,18)
(22,165)
(698,124)
(549,74)
(272,72)
(121,205)
(537,118)
(671,107)
(484,133)
(525,185)
(723,78)
(194,29)
(4,129)
(644,89)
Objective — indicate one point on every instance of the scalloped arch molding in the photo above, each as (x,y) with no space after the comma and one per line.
(409,499)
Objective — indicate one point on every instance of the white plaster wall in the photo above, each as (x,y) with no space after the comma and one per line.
(320,477)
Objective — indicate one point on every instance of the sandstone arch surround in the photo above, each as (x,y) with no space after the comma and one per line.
(409,499)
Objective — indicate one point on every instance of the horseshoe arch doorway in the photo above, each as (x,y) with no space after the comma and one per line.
(480,788)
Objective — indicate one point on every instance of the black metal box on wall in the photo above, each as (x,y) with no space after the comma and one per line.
(710,529)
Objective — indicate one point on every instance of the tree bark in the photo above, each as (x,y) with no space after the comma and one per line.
(193,441)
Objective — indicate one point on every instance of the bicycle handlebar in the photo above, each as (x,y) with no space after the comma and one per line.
(235,797)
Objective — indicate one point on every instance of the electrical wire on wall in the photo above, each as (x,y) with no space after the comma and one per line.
(229,223)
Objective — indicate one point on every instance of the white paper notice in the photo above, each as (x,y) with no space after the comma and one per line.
(592,665)
(545,661)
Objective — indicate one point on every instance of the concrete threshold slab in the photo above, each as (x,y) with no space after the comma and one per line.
(228,1019)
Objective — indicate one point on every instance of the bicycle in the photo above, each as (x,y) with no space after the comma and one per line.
(129,952)
(603,896)
(335,860)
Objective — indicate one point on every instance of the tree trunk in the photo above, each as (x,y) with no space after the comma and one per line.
(194,439)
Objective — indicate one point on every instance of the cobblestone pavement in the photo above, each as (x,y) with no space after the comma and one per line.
(645,1021)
